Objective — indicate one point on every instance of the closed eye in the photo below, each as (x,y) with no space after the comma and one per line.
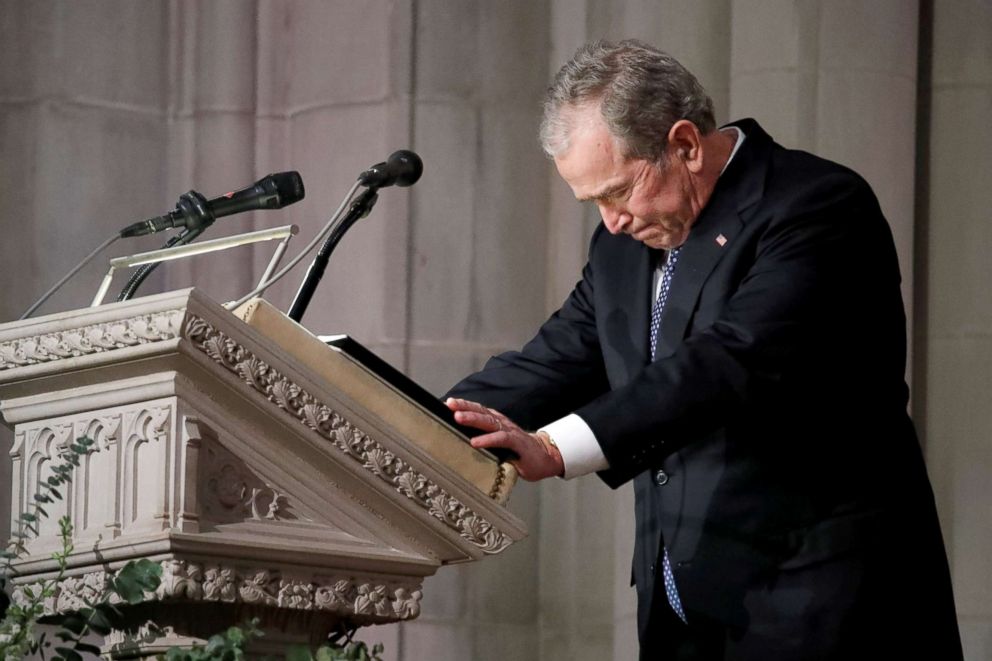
(611,195)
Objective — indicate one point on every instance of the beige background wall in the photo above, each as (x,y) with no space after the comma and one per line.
(109,109)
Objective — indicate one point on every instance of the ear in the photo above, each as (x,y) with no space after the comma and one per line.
(685,145)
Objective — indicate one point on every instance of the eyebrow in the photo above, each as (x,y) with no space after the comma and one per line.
(605,193)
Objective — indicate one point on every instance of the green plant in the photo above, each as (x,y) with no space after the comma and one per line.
(226,646)
(17,628)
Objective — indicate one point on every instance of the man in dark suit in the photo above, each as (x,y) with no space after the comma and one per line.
(736,347)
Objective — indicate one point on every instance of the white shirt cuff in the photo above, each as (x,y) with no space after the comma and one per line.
(578,446)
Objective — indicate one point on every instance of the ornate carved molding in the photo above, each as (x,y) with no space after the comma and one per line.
(191,581)
(143,329)
(78,591)
(232,492)
(347,438)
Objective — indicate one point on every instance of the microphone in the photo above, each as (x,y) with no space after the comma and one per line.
(402,168)
(272,192)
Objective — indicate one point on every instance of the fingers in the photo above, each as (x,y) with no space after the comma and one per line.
(503,433)
(483,421)
(494,440)
(473,414)
(456,404)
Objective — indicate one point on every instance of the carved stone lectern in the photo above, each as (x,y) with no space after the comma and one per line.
(266,483)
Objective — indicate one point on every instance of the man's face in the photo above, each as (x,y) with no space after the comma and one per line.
(650,202)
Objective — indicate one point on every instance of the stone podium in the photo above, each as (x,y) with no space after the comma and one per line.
(261,488)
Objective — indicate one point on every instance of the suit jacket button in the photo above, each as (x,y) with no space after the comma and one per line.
(652,568)
(660,478)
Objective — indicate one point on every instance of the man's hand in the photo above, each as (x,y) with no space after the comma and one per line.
(538,457)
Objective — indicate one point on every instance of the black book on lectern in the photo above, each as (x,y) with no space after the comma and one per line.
(374,391)
(405,385)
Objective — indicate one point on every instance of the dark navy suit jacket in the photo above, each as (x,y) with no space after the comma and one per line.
(794,503)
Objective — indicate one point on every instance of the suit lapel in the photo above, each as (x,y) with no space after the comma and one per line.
(626,330)
(737,190)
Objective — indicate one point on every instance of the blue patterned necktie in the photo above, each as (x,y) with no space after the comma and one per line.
(659,306)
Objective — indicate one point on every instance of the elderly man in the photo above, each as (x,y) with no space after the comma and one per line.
(736,347)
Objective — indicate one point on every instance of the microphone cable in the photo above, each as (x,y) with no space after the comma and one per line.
(330,226)
(58,285)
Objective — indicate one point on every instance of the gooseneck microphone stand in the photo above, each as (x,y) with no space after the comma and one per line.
(359,209)
(198,218)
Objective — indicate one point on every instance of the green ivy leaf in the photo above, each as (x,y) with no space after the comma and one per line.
(89,649)
(72,622)
(128,589)
(135,578)
(69,654)
(99,621)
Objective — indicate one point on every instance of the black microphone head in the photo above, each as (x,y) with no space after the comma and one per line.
(282,189)
(407,167)
(402,168)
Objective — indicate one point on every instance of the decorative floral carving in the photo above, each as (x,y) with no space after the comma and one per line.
(335,597)
(189,581)
(296,594)
(219,584)
(228,486)
(345,436)
(372,599)
(154,327)
(240,493)
(407,604)
(266,498)
(258,588)
(180,579)
(77,591)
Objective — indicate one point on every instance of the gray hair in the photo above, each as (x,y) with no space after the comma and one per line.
(641,91)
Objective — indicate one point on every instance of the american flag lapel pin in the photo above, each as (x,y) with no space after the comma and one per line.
(721,240)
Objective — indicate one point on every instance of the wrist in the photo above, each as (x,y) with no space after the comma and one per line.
(551,448)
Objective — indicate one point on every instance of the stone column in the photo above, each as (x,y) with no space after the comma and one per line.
(838,79)
(476,271)
(957,370)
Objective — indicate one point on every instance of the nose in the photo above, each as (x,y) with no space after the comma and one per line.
(614,219)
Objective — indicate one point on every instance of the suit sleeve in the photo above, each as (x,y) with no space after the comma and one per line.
(784,344)
(556,372)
